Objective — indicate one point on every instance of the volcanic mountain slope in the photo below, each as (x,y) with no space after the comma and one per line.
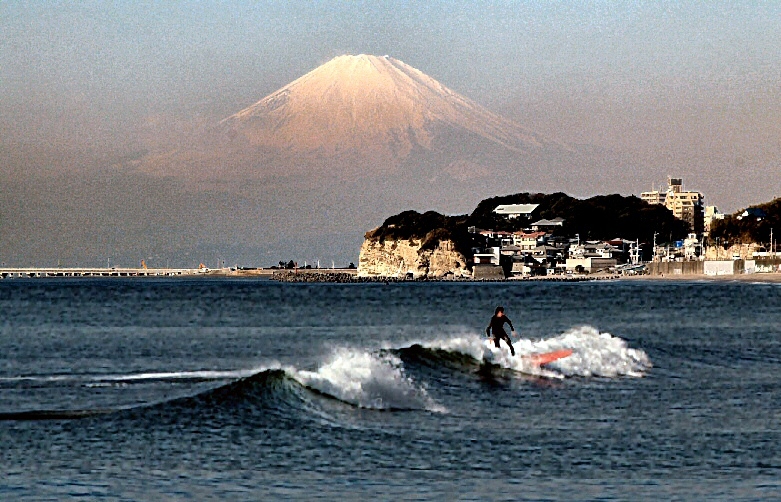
(370,107)
(371,118)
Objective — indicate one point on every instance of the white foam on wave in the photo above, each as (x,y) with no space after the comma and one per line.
(597,354)
(185,375)
(367,380)
(481,348)
(37,378)
(97,380)
(593,354)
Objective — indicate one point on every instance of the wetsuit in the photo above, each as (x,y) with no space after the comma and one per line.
(497,327)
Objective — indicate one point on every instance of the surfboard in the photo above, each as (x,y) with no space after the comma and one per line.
(536,359)
(548,357)
(533,363)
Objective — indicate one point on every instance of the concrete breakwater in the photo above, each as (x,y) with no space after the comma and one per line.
(343,277)
(714,267)
(44,272)
(292,276)
(124,272)
(340,277)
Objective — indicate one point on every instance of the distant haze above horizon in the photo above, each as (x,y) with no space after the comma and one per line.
(114,144)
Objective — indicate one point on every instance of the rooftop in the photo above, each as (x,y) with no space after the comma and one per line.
(526,209)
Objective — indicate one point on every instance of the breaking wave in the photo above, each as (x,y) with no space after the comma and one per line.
(594,353)
(374,380)
(367,380)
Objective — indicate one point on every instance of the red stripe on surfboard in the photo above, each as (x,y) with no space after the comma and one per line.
(549,357)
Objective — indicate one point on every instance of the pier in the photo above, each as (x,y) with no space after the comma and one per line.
(43,272)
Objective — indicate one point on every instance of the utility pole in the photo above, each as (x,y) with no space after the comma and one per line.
(637,251)
(653,250)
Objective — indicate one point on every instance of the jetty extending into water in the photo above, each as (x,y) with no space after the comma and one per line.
(35,272)
(62,272)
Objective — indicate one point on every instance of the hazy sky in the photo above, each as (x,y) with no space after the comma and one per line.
(115,61)
(691,88)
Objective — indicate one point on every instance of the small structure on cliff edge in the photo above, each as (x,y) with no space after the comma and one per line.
(513,211)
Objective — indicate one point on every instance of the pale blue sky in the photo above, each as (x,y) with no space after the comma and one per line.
(152,53)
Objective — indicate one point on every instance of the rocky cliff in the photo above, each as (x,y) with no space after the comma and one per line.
(736,251)
(399,257)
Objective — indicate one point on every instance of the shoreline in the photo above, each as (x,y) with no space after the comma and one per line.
(769,278)
(765,278)
(350,276)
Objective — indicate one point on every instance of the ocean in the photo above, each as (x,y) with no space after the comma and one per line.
(250,389)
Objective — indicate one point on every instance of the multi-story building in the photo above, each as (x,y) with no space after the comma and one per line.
(528,241)
(686,205)
(711,213)
(653,197)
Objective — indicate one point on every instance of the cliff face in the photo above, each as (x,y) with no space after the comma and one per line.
(395,257)
(741,251)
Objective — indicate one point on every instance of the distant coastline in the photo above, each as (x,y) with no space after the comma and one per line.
(350,276)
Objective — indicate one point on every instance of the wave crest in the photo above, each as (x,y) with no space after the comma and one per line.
(594,353)
(366,380)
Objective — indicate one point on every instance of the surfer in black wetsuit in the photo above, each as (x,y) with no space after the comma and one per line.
(497,327)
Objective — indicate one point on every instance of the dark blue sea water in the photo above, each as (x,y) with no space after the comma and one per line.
(216,389)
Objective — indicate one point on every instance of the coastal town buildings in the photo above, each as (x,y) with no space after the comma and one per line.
(542,248)
(539,253)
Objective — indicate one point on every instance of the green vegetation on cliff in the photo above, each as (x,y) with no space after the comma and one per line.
(601,217)
(754,227)
(414,225)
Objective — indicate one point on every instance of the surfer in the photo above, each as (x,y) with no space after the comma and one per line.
(497,327)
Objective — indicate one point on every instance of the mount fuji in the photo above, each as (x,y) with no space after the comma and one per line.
(367,117)
(371,106)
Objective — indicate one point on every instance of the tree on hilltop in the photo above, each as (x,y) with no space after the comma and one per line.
(739,229)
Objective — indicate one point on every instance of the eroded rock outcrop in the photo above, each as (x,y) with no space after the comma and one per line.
(736,251)
(399,257)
